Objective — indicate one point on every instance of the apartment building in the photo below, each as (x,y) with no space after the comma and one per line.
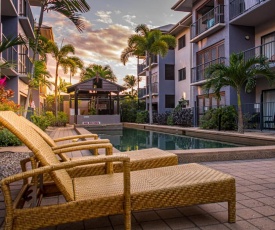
(17,20)
(220,28)
(163,79)
(181,31)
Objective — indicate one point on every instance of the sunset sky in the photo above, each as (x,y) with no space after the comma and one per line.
(109,23)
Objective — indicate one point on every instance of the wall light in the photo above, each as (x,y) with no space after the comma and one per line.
(247,37)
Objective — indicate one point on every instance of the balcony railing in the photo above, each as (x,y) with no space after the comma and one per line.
(142,92)
(238,7)
(25,11)
(24,64)
(207,21)
(141,68)
(198,72)
(154,59)
(267,50)
(10,54)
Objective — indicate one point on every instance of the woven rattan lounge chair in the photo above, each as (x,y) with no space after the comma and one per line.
(113,193)
(140,159)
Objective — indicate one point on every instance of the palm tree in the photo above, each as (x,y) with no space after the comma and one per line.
(62,87)
(150,42)
(70,9)
(61,58)
(98,71)
(130,82)
(239,74)
(74,63)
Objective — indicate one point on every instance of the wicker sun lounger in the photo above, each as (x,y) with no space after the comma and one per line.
(140,159)
(113,193)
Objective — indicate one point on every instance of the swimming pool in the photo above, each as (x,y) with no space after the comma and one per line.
(133,139)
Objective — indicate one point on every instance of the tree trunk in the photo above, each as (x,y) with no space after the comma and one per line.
(240,113)
(150,91)
(55,88)
(34,54)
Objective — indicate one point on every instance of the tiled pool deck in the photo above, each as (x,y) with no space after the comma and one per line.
(255,182)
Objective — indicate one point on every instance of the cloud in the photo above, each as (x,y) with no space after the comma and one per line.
(117,12)
(128,18)
(104,16)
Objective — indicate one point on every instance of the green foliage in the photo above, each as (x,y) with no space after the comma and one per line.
(170,120)
(129,110)
(227,116)
(8,139)
(142,116)
(41,121)
(61,119)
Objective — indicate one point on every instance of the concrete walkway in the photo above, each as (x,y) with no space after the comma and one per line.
(255,181)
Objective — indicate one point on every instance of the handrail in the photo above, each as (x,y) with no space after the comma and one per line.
(208,20)
(27,12)
(238,7)
(198,72)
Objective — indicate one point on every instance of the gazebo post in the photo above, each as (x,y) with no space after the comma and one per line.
(75,105)
(118,103)
(110,103)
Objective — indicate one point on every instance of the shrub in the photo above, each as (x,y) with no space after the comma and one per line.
(226,116)
(142,116)
(162,118)
(170,120)
(61,119)
(183,116)
(8,139)
(41,121)
(129,108)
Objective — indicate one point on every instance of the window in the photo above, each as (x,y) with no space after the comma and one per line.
(182,74)
(169,72)
(169,101)
(181,42)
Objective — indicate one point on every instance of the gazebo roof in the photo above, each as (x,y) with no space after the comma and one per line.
(89,85)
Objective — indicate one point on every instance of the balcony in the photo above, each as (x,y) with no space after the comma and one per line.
(24,67)
(198,73)
(140,70)
(142,93)
(251,12)
(26,18)
(9,55)
(8,8)
(208,24)
(267,50)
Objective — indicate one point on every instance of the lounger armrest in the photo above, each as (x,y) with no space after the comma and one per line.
(98,141)
(46,169)
(107,146)
(77,137)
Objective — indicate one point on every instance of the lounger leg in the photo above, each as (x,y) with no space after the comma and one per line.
(127,220)
(232,211)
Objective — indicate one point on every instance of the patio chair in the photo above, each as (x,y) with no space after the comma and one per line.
(140,159)
(113,193)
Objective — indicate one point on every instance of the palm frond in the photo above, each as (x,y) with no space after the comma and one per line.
(10,42)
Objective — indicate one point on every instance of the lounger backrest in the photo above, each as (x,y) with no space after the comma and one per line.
(44,135)
(40,149)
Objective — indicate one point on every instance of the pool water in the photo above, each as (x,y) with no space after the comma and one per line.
(134,139)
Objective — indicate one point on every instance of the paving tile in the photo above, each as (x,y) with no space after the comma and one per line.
(267,200)
(146,216)
(254,194)
(134,226)
(191,210)
(212,207)
(222,217)
(241,189)
(71,226)
(97,223)
(240,196)
(256,187)
(215,227)
(269,185)
(169,213)
(265,210)
(263,223)
(179,223)
(241,225)
(203,220)
(268,192)
(153,225)
(251,203)
(119,219)
(248,213)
